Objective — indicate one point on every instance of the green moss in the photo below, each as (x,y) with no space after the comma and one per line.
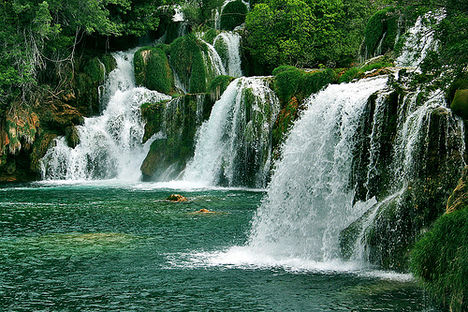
(222,49)
(233,15)
(384,22)
(210,35)
(158,73)
(440,260)
(358,72)
(291,81)
(109,62)
(198,78)
(184,54)
(152,70)
(460,103)
(219,85)
(95,69)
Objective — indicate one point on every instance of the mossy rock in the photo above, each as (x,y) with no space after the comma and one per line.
(219,85)
(291,81)
(460,103)
(186,58)
(233,15)
(72,137)
(459,198)
(39,149)
(440,260)
(152,70)
(382,23)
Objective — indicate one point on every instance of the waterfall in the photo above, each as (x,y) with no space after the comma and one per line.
(234,145)
(309,200)
(230,41)
(212,59)
(110,144)
(420,40)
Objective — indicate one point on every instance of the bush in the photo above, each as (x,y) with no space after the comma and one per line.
(233,15)
(440,260)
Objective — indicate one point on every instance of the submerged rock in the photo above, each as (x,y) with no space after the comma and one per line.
(177,198)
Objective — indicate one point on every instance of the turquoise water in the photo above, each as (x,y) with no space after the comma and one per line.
(124,248)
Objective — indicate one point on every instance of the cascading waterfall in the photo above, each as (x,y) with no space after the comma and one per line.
(234,145)
(420,40)
(309,199)
(230,41)
(110,145)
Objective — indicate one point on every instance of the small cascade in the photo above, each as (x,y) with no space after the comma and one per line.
(234,146)
(110,145)
(421,40)
(309,199)
(229,42)
(212,59)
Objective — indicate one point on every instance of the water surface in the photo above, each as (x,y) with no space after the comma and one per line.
(99,247)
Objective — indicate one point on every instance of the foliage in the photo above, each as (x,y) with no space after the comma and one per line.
(233,15)
(440,259)
(306,32)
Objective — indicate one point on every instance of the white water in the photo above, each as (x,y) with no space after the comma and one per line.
(309,200)
(110,144)
(231,41)
(226,138)
(421,40)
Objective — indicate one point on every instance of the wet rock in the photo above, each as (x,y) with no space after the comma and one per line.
(460,103)
(177,198)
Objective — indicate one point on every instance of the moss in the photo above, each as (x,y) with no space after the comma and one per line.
(159,74)
(109,62)
(198,77)
(210,35)
(96,70)
(152,70)
(233,15)
(291,81)
(384,22)
(287,83)
(440,260)
(72,137)
(358,72)
(460,103)
(219,85)
(222,49)
(284,121)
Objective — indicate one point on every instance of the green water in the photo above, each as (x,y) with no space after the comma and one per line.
(124,248)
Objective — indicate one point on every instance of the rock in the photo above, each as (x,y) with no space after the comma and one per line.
(177,198)
(459,198)
(460,103)
(71,134)
(204,211)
